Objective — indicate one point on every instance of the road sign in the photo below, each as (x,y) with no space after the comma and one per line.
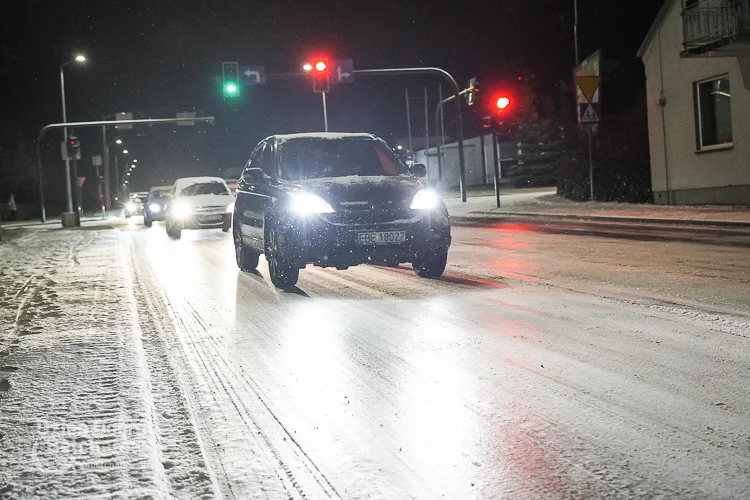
(186,114)
(96,160)
(124,116)
(252,75)
(590,113)
(342,71)
(588,84)
(587,77)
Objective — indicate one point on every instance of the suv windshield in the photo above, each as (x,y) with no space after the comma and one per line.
(315,158)
(204,188)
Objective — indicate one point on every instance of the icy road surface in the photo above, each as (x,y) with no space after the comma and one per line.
(541,366)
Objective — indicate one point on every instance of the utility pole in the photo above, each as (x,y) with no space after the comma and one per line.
(426,130)
(105,161)
(68,190)
(575,30)
(408,119)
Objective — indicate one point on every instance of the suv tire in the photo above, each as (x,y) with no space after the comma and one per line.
(431,264)
(284,274)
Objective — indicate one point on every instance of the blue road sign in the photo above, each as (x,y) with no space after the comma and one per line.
(252,75)
(342,71)
(589,113)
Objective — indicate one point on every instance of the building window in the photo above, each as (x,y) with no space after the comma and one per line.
(713,113)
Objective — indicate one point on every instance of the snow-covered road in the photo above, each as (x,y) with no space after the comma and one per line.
(541,366)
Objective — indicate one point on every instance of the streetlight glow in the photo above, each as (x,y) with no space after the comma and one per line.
(124,151)
(80,58)
(307,67)
(118,141)
(135,161)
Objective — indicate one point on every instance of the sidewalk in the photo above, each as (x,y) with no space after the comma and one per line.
(544,204)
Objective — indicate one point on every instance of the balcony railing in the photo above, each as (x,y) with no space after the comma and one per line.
(709,24)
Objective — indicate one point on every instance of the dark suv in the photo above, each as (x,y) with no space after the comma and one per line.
(336,200)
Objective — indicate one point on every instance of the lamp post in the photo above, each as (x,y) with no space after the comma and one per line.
(68,190)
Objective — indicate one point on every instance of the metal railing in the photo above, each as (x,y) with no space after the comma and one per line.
(715,22)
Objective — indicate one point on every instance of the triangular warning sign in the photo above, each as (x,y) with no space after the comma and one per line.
(589,116)
(588,85)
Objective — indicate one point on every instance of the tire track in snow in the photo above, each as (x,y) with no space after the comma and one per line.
(182,451)
(267,457)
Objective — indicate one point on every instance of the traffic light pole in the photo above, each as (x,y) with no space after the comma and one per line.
(496,161)
(325,112)
(456,92)
(102,123)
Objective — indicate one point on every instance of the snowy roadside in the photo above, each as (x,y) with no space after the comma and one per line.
(79,413)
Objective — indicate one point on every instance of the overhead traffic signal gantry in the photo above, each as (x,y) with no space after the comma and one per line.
(230,76)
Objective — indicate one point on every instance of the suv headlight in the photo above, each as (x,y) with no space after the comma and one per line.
(308,203)
(181,210)
(426,199)
(155,208)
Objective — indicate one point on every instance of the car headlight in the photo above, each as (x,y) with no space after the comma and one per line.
(155,208)
(230,208)
(130,206)
(307,203)
(182,210)
(426,199)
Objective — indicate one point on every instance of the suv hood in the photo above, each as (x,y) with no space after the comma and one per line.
(356,188)
(205,200)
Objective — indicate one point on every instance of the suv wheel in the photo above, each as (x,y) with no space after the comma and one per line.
(431,263)
(247,260)
(284,274)
(174,230)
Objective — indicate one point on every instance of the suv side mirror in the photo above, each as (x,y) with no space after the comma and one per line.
(418,170)
(254,176)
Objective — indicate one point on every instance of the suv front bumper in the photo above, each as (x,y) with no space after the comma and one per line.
(315,240)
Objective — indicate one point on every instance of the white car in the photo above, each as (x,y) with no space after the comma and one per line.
(199,203)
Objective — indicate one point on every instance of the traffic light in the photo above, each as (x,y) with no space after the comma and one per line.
(230,74)
(74,147)
(472,92)
(320,71)
(503,104)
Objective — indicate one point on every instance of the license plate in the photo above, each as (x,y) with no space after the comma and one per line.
(381,238)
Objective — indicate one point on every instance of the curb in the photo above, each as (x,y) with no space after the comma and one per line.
(499,216)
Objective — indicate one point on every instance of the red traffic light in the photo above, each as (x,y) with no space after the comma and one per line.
(502,103)
(321,65)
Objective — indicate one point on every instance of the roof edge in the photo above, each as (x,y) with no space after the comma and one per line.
(660,17)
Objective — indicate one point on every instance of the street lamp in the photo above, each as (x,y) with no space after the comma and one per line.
(307,67)
(118,141)
(79,58)
(124,151)
(135,161)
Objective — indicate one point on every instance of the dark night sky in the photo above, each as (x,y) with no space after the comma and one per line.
(157,58)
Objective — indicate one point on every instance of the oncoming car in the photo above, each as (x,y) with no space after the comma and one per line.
(336,200)
(198,203)
(134,205)
(153,208)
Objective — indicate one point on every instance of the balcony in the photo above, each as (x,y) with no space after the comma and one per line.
(716,28)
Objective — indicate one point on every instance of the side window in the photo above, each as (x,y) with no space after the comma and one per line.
(266,161)
(713,113)
(254,161)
